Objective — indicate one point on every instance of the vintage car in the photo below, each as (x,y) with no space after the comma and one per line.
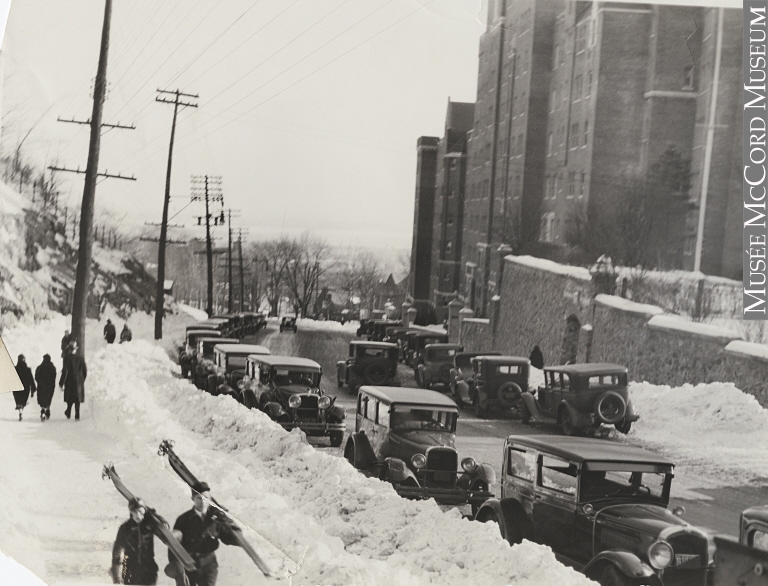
(288,322)
(744,562)
(436,368)
(229,364)
(602,508)
(582,396)
(463,376)
(406,437)
(188,350)
(391,333)
(416,340)
(369,363)
(288,390)
(377,328)
(499,383)
(202,364)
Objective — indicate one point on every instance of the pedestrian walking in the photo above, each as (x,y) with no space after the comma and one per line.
(199,533)
(109,332)
(133,555)
(25,375)
(45,377)
(72,380)
(537,358)
(125,334)
(65,342)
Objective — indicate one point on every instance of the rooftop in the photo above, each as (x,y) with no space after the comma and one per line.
(588,368)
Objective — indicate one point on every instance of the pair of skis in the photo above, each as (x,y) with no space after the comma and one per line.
(160,527)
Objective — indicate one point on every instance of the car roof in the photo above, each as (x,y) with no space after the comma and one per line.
(476,354)
(214,321)
(233,341)
(280,360)
(241,348)
(443,346)
(207,331)
(204,325)
(759,513)
(498,359)
(588,368)
(428,334)
(368,344)
(584,449)
(409,396)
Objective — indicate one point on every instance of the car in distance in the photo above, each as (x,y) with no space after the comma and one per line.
(436,368)
(188,350)
(287,389)
(368,363)
(582,396)
(416,340)
(229,362)
(406,437)
(744,562)
(377,328)
(602,508)
(203,365)
(288,322)
(500,383)
(463,376)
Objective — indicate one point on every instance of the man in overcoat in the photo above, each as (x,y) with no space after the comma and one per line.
(72,380)
(45,376)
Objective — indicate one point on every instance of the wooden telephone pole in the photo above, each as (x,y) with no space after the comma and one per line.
(208,188)
(160,294)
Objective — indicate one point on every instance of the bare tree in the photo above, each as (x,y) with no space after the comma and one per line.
(274,256)
(360,277)
(303,271)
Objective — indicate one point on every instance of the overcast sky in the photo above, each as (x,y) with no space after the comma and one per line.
(309,109)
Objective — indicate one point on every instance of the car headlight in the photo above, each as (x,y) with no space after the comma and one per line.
(294,401)
(241,384)
(324,402)
(419,460)
(660,554)
(468,465)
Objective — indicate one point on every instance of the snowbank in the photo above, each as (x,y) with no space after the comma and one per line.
(193,312)
(742,348)
(642,309)
(327,325)
(550,266)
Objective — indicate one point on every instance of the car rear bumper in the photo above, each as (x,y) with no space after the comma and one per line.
(445,496)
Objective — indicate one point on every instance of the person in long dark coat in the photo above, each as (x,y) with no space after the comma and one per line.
(126,335)
(537,358)
(72,380)
(45,376)
(25,374)
(109,332)
(65,343)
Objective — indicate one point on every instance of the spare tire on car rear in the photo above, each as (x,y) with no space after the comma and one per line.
(610,407)
(376,373)
(509,395)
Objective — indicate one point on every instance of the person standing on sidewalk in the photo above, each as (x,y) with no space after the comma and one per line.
(109,332)
(72,380)
(65,343)
(25,375)
(45,376)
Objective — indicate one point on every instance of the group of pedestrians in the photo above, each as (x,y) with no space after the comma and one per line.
(110,333)
(198,530)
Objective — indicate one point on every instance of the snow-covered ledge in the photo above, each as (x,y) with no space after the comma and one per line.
(549,266)
(679,324)
(637,309)
(476,320)
(744,349)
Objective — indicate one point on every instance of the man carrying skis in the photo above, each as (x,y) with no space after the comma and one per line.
(199,531)
(133,555)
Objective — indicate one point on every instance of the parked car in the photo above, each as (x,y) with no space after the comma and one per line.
(602,508)
(582,396)
(500,382)
(417,340)
(287,389)
(188,350)
(436,368)
(377,328)
(362,329)
(288,322)
(229,361)
(369,363)
(406,437)
(203,364)
(744,562)
(463,376)
(403,337)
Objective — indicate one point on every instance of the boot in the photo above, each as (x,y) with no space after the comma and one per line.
(42,414)
(47,413)
(19,414)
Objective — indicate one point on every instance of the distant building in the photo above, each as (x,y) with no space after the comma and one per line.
(423,216)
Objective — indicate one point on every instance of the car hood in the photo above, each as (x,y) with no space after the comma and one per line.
(648,518)
(289,390)
(427,438)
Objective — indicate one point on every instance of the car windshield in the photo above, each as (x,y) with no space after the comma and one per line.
(284,377)
(206,348)
(236,361)
(442,354)
(638,483)
(415,419)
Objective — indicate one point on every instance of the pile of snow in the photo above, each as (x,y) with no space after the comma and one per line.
(193,312)
(327,325)
(309,513)
(109,259)
(543,264)
(713,427)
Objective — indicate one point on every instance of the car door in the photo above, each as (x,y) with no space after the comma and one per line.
(554,504)
(518,476)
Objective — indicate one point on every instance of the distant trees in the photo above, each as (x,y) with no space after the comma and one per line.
(359,277)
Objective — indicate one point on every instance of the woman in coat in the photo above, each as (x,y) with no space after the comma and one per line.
(45,376)
(72,380)
(25,374)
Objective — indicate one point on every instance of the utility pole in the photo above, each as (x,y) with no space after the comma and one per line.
(229,259)
(240,251)
(208,188)
(160,294)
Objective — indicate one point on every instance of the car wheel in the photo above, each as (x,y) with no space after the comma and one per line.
(336,439)
(610,407)
(623,426)
(566,422)
(376,373)
(610,576)
(509,395)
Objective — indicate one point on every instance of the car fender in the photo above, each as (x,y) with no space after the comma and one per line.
(462,390)
(274,410)
(530,403)
(516,525)
(631,414)
(398,471)
(364,454)
(338,412)
(625,562)
(484,472)
(225,389)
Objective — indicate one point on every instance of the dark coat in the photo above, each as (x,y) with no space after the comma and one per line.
(125,335)
(200,537)
(45,375)
(134,553)
(65,340)
(537,358)
(109,332)
(73,375)
(25,374)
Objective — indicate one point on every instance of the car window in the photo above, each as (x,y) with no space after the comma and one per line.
(442,354)
(760,540)
(236,362)
(565,381)
(374,352)
(553,380)
(508,369)
(521,464)
(604,380)
(597,484)
(415,419)
(362,400)
(383,415)
(558,475)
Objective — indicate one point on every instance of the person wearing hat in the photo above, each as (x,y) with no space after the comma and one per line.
(126,335)
(45,376)
(65,343)
(199,533)
(25,375)
(109,332)
(72,380)
(133,555)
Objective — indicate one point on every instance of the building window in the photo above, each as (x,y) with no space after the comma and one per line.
(565,93)
(557,56)
(520,145)
(550,142)
(586,134)
(574,138)
(581,37)
(547,186)
(589,84)
(577,86)
(556,188)
(688,79)
(582,184)
(552,100)
(571,184)
(547,227)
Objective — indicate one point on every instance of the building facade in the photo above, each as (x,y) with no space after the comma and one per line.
(423,216)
